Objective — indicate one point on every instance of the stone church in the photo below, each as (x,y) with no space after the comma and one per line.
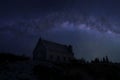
(52,52)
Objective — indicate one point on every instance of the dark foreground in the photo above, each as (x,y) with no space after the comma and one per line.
(22,68)
(78,71)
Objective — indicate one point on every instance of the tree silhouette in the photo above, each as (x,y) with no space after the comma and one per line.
(106,59)
(103,60)
(82,61)
(96,60)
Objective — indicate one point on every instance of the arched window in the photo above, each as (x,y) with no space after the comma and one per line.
(64,58)
(58,58)
(51,57)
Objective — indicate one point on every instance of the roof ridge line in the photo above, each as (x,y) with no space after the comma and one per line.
(54,42)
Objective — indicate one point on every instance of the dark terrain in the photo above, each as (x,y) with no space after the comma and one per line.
(14,67)
(80,70)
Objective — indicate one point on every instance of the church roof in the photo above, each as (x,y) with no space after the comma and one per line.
(53,46)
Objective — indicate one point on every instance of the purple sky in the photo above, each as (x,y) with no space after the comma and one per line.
(91,26)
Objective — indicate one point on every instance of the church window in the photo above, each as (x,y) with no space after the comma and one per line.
(64,58)
(51,57)
(58,57)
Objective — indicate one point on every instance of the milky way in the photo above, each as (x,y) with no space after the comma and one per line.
(65,21)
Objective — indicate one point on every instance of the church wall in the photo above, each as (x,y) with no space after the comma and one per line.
(46,50)
(58,56)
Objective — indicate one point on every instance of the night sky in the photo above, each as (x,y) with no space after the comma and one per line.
(91,26)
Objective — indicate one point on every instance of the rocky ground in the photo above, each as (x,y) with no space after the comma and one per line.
(25,70)
(16,71)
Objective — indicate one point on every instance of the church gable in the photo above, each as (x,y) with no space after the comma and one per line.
(51,51)
(52,46)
